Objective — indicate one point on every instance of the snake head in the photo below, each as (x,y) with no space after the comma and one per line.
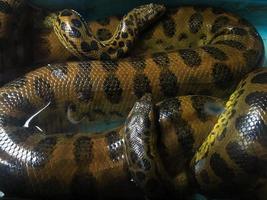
(146,14)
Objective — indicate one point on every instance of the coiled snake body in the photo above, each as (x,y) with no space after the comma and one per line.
(159,144)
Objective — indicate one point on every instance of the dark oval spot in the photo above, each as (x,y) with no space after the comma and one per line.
(121,44)
(251,164)
(195,22)
(110,65)
(43,151)
(222,75)
(232,43)
(219,23)
(112,88)
(252,58)
(168,84)
(221,168)
(141,85)
(215,53)
(169,27)
(83,86)
(260,78)
(190,57)
(44,90)
(85,47)
(161,59)
(139,63)
(124,35)
(83,150)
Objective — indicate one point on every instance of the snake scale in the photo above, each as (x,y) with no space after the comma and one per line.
(179,144)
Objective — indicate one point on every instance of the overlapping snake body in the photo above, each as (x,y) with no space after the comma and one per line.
(232,151)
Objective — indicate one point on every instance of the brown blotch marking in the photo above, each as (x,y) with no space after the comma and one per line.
(168,83)
(121,44)
(141,85)
(115,145)
(190,57)
(251,128)
(139,63)
(185,136)
(161,59)
(260,78)
(195,22)
(222,75)
(103,34)
(112,88)
(85,47)
(110,65)
(238,31)
(129,22)
(120,52)
(232,43)
(124,35)
(111,50)
(43,151)
(83,150)
(169,27)
(251,57)
(44,90)
(85,67)
(219,23)
(83,85)
(129,43)
(84,184)
(215,53)
(170,108)
(251,164)
(221,168)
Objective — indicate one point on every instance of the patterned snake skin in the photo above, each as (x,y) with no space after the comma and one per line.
(180,143)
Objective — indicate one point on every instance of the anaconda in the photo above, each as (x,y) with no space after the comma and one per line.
(231,152)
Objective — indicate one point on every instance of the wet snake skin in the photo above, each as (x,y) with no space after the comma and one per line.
(164,148)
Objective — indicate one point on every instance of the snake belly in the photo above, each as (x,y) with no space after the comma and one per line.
(106,89)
